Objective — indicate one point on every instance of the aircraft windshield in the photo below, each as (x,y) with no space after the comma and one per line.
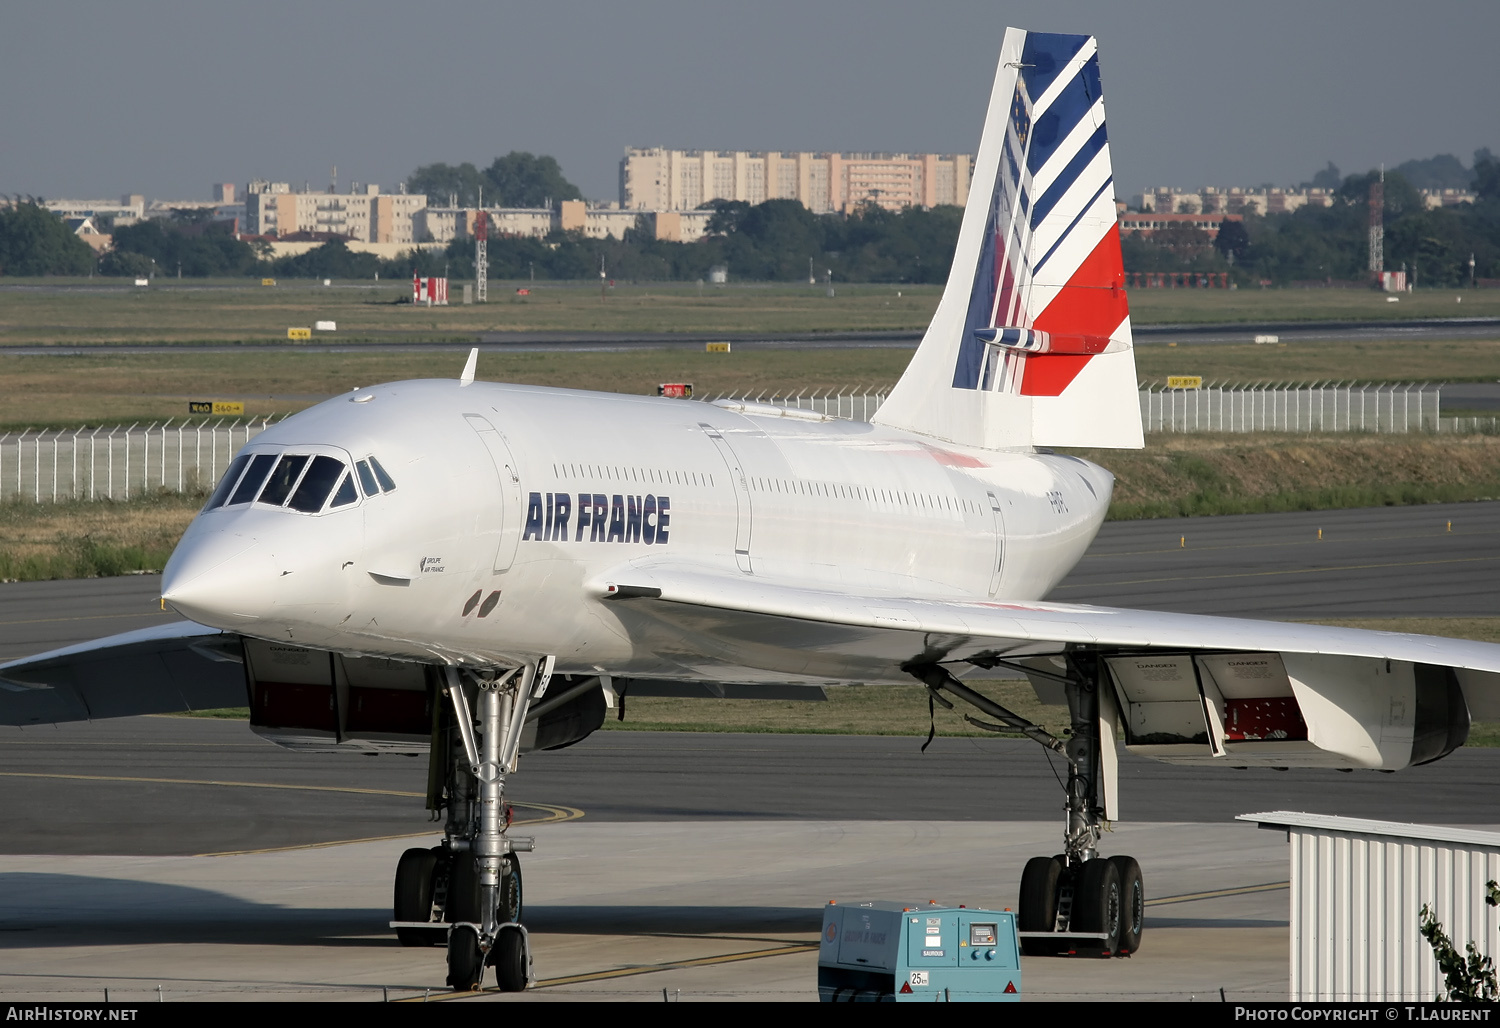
(296,481)
(279,485)
(315,486)
(346,494)
(373,477)
(260,467)
(227,482)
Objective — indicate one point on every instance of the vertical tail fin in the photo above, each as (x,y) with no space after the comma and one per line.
(1031,340)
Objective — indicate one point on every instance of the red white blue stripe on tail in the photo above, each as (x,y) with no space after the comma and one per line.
(1035,316)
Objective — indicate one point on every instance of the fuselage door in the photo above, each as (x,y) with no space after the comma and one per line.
(997,514)
(511,509)
(741,496)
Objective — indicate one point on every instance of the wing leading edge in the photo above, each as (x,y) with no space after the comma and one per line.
(159,670)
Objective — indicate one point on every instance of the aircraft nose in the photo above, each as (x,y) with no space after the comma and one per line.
(219,578)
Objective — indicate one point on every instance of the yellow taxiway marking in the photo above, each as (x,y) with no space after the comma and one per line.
(1243,890)
(1322,569)
(84,617)
(314,845)
(638,969)
(789,950)
(211,781)
(551,815)
(673,965)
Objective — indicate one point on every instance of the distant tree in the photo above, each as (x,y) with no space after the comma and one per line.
(522,179)
(1187,207)
(1400,197)
(443,182)
(726,217)
(1329,178)
(200,250)
(34,241)
(126,264)
(333,259)
(1233,239)
(192,215)
(1486,183)
(1444,171)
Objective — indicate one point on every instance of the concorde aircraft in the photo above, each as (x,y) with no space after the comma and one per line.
(480,570)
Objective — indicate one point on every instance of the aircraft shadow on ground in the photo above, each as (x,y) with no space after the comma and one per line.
(672,920)
(70,910)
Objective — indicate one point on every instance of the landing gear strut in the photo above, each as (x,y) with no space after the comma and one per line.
(1076,901)
(467,892)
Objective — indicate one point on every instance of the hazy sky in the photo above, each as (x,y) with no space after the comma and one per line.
(163,97)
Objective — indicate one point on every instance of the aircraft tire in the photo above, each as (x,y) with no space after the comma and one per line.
(510,890)
(413,899)
(1132,903)
(509,959)
(465,961)
(1097,905)
(1038,904)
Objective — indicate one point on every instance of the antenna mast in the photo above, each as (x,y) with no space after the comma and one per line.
(482,253)
(1377,225)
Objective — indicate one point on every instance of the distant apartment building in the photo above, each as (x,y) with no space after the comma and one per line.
(1148,223)
(1214,200)
(1434,198)
(658,179)
(364,214)
(105,215)
(445,224)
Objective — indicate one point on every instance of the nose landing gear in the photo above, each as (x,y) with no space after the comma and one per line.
(1077,901)
(467,892)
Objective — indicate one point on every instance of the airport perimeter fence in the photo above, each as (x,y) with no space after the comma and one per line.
(854,404)
(1294,407)
(1215,407)
(53,465)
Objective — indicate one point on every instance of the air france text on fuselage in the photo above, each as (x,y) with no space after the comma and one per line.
(606,519)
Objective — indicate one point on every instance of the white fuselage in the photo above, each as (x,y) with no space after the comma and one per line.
(515,506)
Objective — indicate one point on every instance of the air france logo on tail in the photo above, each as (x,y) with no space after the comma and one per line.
(1047,290)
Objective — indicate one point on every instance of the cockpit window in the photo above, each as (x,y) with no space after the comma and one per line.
(346,493)
(279,485)
(367,478)
(315,486)
(227,482)
(385,480)
(373,477)
(260,467)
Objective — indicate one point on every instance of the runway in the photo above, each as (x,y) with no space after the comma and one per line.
(1414,330)
(694,862)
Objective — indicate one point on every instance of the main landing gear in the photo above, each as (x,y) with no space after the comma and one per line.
(1076,901)
(467,892)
